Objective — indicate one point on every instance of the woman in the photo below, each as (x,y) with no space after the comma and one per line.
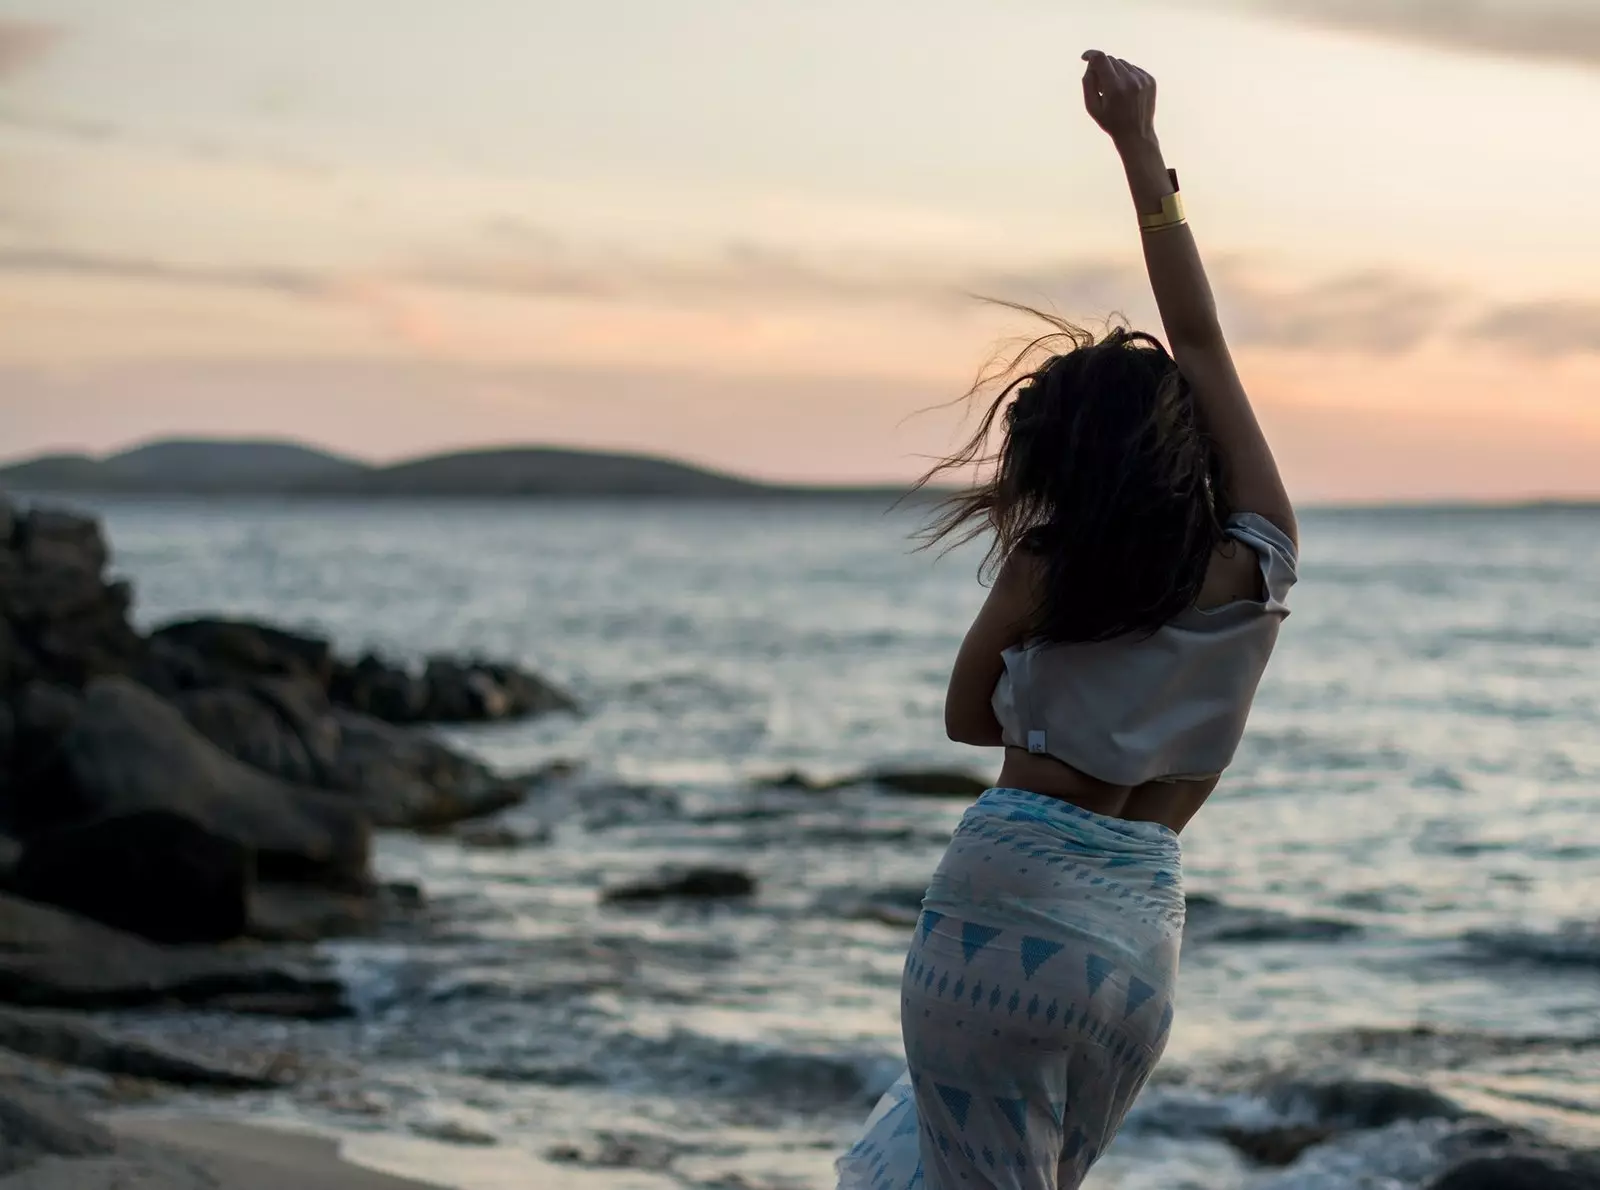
(1145,546)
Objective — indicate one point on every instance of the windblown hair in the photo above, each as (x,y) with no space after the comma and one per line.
(1102,474)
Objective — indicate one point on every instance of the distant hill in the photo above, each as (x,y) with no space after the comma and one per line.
(206,464)
(200,467)
(190,466)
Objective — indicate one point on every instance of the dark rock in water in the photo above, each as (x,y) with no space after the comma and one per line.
(152,873)
(129,751)
(1364,1103)
(795,779)
(471,691)
(1210,920)
(919,782)
(305,913)
(1546,1170)
(1278,1146)
(499,836)
(223,649)
(201,653)
(32,1127)
(50,958)
(75,1042)
(449,690)
(928,782)
(695,884)
(454,1132)
(374,687)
(401,778)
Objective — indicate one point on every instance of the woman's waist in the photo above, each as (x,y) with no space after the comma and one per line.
(1167,801)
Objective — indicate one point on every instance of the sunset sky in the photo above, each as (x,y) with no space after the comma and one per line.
(740,231)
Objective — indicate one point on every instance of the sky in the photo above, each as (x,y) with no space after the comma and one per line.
(748,232)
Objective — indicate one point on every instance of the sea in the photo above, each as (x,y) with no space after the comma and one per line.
(1396,886)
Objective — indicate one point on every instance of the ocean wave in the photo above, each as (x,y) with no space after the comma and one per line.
(687,1063)
(1572,944)
(1212,920)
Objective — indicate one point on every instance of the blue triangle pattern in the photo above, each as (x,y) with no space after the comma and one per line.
(930,919)
(1036,951)
(1138,992)
(958,1102)
(1098,969)
(1015,1110)
(975,937)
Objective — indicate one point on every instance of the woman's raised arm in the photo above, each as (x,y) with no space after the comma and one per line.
(1121,98)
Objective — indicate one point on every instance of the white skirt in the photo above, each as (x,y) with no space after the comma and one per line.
(1036,1000)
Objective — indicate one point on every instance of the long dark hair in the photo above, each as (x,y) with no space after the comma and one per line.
(1102,474)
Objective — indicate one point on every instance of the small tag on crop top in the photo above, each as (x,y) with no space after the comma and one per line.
(1036,742)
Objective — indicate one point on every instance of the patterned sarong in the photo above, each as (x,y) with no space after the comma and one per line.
(1036,1000)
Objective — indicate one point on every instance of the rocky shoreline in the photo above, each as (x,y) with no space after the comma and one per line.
(172,802)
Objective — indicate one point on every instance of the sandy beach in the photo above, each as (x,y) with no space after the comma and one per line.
(174,1153)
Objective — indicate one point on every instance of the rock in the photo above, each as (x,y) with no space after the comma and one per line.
(925,782)
(499,836)
(43,715)
(32,1127)
(241,648)
(401,778)
(795,779)
(274,725)
(453,1132)
(1278,1146)
(51,958)
(449,690)
(63,622)
(301,913)
(473,691)
(53,539)
(129,751)
(695,884)
(55,1037)
(1364,1103)
(1549,1170)
(152,873)
(373,687)
(1210,920)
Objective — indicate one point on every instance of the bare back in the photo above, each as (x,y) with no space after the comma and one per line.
(1234,574)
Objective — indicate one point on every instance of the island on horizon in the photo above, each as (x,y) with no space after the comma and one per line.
(249,467)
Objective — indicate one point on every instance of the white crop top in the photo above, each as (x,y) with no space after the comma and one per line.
(1147,708)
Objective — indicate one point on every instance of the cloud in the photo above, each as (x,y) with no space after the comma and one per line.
(1372,312)
(294,282)
(22,43)
(1551,30)
(1541,328)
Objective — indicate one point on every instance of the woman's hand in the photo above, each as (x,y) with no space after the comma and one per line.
(1120,97)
